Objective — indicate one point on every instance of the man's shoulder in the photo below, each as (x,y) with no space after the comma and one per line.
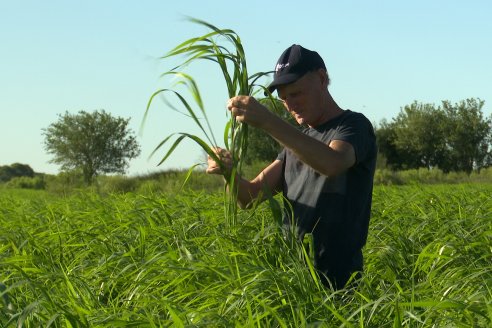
(346,119)
(356,116)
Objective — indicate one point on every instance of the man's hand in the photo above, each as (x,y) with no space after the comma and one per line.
(214,167)
(248,110)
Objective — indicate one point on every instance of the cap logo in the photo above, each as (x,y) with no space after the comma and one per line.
(281,67)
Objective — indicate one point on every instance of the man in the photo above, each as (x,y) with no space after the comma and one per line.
(325,172)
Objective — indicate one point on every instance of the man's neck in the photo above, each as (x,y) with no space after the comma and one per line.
(331,111)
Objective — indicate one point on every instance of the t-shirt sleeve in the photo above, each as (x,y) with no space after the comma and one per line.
(358,131)
(281,155)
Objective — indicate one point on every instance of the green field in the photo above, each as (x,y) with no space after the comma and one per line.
(156,260)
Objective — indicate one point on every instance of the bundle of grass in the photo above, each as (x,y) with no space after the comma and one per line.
(231,58)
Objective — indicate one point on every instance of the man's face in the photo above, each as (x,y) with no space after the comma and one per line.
(302,98)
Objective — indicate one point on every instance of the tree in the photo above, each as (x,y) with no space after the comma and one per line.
(467,135)
(94,143)
(387,151)
(419,130)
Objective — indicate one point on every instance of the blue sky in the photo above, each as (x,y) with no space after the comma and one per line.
(58,56)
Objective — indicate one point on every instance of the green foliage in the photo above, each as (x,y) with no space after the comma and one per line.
(172,181)
(161,260)
(8,172)
(167,182)
(93,143)
(468,137)
(451,137)
(116,184)
(419,130)
(434,176)
(36,182)
(64,182)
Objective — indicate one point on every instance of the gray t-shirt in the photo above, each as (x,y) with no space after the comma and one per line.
(340,205)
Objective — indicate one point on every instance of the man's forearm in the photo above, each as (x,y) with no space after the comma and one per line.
(313,152)
(267,183)
(246,191)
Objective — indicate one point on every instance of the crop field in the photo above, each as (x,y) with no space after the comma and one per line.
(157,260)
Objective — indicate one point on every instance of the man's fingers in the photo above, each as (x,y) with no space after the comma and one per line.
(220,166)
(213,170)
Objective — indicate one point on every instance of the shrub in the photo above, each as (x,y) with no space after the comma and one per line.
(64,182)
(116,184)
(36,182)
(387,177)
(148,187)
(8,172)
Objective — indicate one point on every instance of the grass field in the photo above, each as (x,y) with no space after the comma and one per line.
(155,260)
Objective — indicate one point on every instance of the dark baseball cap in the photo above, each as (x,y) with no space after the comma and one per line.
(294,62)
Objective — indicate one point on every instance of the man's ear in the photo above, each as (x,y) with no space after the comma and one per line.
(323,76)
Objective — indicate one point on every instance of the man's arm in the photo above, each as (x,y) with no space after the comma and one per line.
(269,179)
(327,159)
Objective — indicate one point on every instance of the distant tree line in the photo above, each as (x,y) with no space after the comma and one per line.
(451,137)
(16,170)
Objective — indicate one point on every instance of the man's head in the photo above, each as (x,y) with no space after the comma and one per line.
(293,64)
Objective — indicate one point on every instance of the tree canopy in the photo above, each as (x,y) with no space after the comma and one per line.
(93,143)
(451,137)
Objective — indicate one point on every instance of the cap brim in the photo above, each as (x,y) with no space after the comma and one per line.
(284,79)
